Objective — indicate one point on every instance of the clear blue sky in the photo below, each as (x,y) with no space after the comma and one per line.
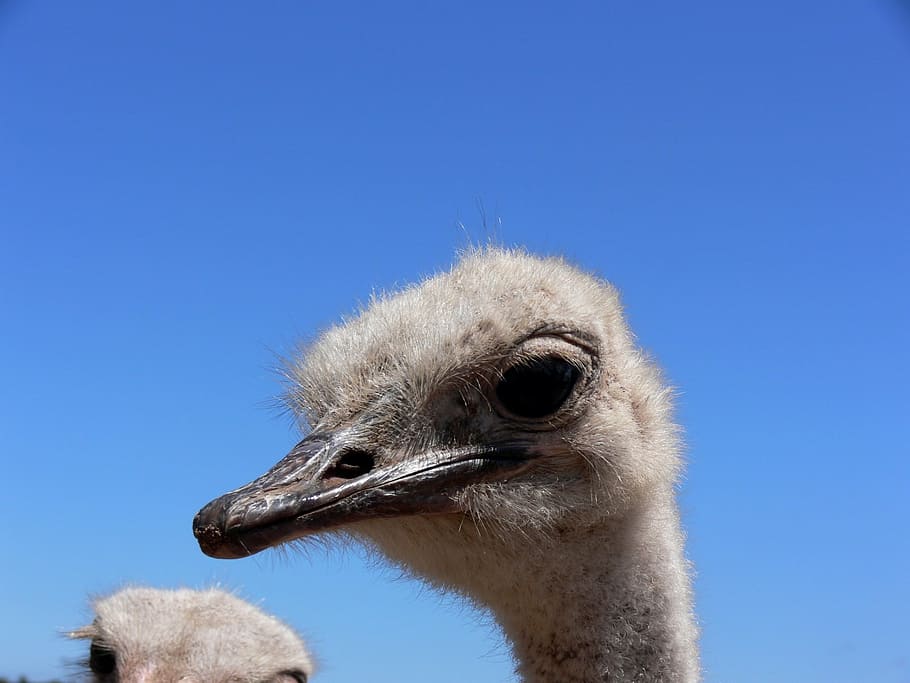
(187,188)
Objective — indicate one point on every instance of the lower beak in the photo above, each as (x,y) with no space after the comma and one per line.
(325,483)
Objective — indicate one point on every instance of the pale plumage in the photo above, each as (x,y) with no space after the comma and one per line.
(496,431)
(148,635)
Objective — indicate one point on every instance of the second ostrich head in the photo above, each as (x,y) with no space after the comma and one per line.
(149,635)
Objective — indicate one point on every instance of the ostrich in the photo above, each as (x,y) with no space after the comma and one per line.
(495,431)
(147,635)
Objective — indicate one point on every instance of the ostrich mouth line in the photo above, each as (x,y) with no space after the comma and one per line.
(288,502)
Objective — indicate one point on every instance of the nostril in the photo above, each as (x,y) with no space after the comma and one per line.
(350,465)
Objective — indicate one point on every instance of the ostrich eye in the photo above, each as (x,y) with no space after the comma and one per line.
(537,388)
(295,676)
(101,660)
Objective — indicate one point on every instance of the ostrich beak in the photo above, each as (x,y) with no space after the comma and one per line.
(326,482)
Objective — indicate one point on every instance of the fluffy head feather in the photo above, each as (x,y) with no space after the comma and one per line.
(496,431)
(148,635)
(419,368)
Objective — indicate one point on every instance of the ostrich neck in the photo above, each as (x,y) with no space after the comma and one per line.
(607,604)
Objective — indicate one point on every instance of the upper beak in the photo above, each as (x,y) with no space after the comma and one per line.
(327,481)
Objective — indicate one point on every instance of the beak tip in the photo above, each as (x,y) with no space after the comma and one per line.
(208,535)
(215,543)
(210,532)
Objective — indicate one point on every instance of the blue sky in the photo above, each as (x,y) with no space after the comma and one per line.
(187,189)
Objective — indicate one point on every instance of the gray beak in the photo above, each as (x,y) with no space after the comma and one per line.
(328,481)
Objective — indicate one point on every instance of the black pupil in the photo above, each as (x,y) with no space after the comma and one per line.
(101,660)
(537,388)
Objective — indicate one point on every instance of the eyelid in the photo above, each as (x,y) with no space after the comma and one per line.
(585,341)
(571,348)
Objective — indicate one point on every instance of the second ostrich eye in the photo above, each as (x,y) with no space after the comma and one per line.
(537,388)
(101,660)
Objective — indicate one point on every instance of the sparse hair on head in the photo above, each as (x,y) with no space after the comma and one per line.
(146,635)
(496,431)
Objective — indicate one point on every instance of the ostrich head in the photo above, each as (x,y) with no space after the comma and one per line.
(479,417)
(147,635)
